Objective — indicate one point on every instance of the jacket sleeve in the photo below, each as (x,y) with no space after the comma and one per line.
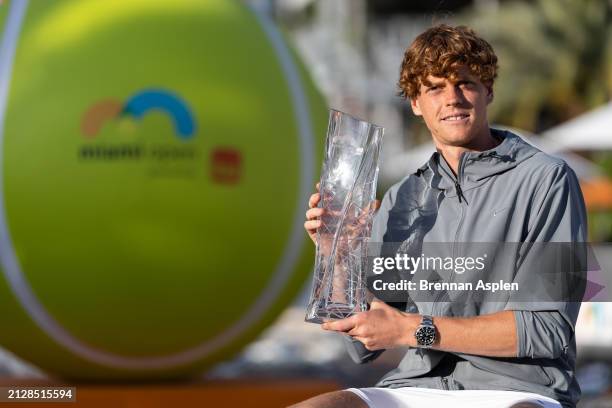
(542,334)
(545,321)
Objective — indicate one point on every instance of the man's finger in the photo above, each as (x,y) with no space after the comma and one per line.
(370,297)
(342,325)
(314,213)
(314,200)
(367,343)
(312,224)
(378,304)
(355,332)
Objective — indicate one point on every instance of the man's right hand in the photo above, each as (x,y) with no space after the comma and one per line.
(313,215)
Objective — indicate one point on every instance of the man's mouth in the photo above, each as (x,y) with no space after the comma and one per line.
(455,117)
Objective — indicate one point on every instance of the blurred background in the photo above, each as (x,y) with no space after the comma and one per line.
(554,88)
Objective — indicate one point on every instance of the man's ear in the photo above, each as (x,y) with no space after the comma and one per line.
(489,94)
(414,104)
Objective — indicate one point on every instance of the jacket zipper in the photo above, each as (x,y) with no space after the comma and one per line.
(459,195)
(462,206)
(445,383)
(458,190)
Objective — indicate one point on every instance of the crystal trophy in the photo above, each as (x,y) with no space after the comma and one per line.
(348,192)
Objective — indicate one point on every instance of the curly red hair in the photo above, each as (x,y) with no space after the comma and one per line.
(439,51)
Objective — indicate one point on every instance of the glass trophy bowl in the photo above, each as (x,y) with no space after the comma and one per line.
(348,192)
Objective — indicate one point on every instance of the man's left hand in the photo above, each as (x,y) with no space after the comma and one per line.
(381,327)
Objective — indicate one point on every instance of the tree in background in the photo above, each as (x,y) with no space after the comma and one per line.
(555,58)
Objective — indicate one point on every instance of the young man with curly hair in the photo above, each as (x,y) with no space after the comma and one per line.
(481,185)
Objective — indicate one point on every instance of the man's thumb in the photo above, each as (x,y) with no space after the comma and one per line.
(377,304)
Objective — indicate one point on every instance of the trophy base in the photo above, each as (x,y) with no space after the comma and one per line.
(330,311)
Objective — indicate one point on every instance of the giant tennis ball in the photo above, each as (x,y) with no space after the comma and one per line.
(156,157)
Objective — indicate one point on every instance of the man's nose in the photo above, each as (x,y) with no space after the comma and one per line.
(453,95)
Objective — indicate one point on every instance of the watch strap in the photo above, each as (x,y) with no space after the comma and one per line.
(427,320)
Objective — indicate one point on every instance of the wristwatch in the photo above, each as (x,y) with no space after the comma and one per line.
(425,334)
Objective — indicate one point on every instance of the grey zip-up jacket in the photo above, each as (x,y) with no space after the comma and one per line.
(512,193)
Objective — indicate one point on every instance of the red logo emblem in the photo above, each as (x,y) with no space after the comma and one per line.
(226,165)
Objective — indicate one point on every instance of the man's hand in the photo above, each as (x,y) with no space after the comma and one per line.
(314,214)
(381,327)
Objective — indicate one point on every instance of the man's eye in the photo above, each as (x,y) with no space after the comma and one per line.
(433,88)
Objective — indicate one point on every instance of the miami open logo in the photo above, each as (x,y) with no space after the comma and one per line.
(137,107)
(224,162)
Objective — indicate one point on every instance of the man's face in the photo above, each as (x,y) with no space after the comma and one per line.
(455,112)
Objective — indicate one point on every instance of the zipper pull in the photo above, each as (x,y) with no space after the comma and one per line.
(445,382)
(458,190)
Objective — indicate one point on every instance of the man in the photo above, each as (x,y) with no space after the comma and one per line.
(482,185)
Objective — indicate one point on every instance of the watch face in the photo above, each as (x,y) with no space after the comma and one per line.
(426,335)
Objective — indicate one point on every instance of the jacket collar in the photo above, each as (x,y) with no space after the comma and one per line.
(477,167)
